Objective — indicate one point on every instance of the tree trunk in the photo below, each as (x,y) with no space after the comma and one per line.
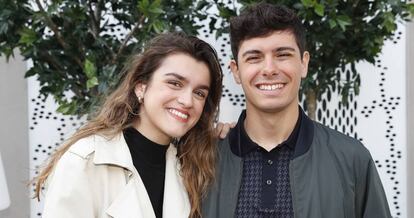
(311,103)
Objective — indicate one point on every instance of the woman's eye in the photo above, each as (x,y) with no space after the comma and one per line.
(175,83)
(201,94)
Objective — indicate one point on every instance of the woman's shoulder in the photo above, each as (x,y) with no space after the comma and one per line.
(84,147)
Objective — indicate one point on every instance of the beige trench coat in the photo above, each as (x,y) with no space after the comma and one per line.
(96,178)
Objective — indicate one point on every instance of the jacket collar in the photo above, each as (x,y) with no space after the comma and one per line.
(306,134)
(237,136)
(133,201)
(113,151)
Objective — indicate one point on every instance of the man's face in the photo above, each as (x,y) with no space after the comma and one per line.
(269,70)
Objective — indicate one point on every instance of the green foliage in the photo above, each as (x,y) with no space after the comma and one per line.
(78,59)
(77,56)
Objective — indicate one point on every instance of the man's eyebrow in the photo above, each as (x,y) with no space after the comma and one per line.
(179,77)
(284,49)
(251,52)
(279,49)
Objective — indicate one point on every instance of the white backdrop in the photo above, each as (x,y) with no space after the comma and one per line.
(376,116)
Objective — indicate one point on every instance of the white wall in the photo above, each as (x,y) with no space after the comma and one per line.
(410,118)
(14,135)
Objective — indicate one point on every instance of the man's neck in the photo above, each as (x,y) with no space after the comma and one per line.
(269,129)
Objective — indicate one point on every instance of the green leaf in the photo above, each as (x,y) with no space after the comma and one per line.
(63,108)
(155,7)
(389,22)
(411,8)
(320,9)
(8,51)
(308,3)
(201,5)
(332,23)
(90,69)
(156,10)
(225,12)
(27,36)
(143,6)
(92,83)
(158,26)
(343,21)
(67,108)
(31,72)
(4,27)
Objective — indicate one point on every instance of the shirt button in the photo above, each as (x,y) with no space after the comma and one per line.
(270,162)
(269,182)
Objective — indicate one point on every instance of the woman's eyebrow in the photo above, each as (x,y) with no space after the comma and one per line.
(181,78)
(178,76)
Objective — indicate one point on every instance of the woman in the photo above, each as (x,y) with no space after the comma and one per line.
(120,163)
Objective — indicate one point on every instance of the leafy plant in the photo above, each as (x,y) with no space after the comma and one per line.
(78,47)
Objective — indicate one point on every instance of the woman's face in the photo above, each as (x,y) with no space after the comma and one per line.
(174,98)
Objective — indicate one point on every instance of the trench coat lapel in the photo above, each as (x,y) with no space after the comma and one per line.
(176,203)
(133,200)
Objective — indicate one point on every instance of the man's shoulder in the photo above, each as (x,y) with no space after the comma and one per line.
(225,150)
(223,145)
(339,142)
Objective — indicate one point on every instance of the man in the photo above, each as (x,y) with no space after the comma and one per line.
(277,162)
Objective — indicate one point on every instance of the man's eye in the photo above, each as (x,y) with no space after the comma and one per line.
(252,59)
(284,55)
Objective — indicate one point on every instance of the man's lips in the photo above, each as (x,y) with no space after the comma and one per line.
(270,86)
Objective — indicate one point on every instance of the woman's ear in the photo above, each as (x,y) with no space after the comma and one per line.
(140,90)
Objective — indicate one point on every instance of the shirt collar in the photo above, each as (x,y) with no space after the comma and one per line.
(299,140)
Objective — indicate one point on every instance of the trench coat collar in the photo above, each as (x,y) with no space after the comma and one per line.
(133,201)
(113,151)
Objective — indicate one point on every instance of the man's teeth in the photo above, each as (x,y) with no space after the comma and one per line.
(184,116)
(271,87)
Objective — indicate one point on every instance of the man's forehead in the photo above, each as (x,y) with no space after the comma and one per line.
(275,39)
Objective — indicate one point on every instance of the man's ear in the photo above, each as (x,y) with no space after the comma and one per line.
(140,89)
(235,71)
(305,63)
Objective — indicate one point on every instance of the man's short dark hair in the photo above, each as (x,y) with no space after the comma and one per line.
(263,19)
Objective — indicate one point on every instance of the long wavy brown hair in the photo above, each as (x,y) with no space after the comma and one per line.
(196,149)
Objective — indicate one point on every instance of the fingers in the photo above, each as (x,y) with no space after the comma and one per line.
(218,129)
(222,129)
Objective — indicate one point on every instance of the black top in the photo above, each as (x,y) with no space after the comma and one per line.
(265,187)
(303,139)
(248,145)
(149,160)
